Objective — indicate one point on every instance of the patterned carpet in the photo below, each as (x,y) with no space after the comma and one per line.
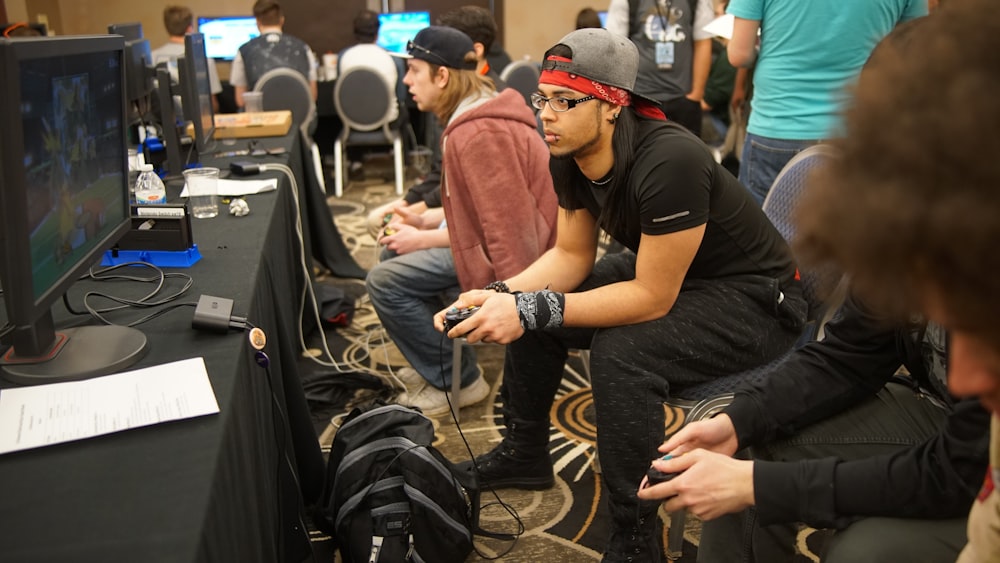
(566,523)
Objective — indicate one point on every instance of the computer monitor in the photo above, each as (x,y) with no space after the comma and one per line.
(603,15)
(166,110)
(64,199)
(196,91)
(397,28)
(225,34)
(138,70)
(130,30)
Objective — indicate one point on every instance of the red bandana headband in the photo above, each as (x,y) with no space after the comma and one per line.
(612,94)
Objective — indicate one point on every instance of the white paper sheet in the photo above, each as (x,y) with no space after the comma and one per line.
(721,26)
(236,188)
(43,415)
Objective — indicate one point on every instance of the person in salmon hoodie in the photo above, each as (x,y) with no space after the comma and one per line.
(498,214)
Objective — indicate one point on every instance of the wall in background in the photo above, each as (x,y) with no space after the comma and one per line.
(527,27)
(532,26)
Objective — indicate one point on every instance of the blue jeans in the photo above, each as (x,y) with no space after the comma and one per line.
(762,161)
(406,290)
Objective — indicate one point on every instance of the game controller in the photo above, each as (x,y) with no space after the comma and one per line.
(455,316)
(389,231)
(654,476)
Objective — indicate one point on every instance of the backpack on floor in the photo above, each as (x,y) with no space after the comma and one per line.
(390,496)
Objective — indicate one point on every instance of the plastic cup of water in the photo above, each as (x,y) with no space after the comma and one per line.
(253,102)
(203,190)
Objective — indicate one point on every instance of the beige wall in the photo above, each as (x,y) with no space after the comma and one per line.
(532,26)
(93,16)
(16,11)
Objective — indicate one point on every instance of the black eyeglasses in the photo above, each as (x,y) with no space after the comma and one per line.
(411,46)
(559,104)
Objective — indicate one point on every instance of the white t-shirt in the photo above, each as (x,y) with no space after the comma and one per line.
(172,51)
(372,56)
(238,73)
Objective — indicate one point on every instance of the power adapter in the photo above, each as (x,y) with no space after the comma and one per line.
(245,168)
(215,314)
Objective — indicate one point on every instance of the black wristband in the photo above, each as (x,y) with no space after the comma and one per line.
(540,309)
(498,286)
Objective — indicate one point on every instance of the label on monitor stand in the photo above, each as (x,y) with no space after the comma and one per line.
(159,211)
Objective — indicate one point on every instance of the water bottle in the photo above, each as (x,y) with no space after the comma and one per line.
(149,189)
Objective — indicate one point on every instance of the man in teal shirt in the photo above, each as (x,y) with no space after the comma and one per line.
(809,52)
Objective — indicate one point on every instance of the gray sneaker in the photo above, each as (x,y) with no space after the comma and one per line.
(433,401)
(410,378)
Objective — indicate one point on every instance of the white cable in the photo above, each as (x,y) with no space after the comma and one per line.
(308,288)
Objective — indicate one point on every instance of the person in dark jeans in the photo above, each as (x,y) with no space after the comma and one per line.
(706,287)
(838,441)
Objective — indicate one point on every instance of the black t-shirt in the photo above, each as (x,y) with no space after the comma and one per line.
(675,184)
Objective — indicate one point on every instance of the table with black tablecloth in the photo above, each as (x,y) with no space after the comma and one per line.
(231,487)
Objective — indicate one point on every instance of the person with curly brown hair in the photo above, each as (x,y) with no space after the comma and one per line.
(910,208)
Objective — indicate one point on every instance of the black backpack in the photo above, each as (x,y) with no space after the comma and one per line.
(390,496)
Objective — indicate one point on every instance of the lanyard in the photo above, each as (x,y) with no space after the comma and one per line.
(659,12)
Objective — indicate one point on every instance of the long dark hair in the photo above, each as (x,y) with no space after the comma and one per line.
(569,182)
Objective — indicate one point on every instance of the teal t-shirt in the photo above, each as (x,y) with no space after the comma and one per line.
(810,51)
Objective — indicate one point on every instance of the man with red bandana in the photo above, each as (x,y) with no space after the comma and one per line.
(705,287)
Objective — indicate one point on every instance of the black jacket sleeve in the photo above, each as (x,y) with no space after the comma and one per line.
(429,190)
(935,479)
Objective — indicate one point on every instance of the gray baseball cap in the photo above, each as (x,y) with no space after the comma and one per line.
(599,55)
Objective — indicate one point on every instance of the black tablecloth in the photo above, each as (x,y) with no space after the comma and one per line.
(230,487)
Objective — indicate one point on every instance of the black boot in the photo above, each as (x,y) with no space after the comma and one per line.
(634,539)
(520,461)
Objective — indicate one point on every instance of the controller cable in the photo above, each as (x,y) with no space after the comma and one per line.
(499,502)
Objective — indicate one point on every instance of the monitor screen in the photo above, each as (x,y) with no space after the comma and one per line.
(225,34)
(196,90)
(397,28)
(604,18)
(65,193)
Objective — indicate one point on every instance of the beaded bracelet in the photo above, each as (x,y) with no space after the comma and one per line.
(498,286)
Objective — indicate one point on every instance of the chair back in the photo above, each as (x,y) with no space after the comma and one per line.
(364,100)
(287,89)
(779,206)
(523,77)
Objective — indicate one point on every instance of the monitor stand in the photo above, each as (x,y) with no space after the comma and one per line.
(84,352)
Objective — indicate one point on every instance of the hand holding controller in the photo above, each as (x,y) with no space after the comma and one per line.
(454,316)
(654,476)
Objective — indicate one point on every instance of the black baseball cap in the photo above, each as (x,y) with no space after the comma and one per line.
(445,46)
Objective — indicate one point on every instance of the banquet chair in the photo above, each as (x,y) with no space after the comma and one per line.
(364,102)
(523,77)
(286,89)
(821,285)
